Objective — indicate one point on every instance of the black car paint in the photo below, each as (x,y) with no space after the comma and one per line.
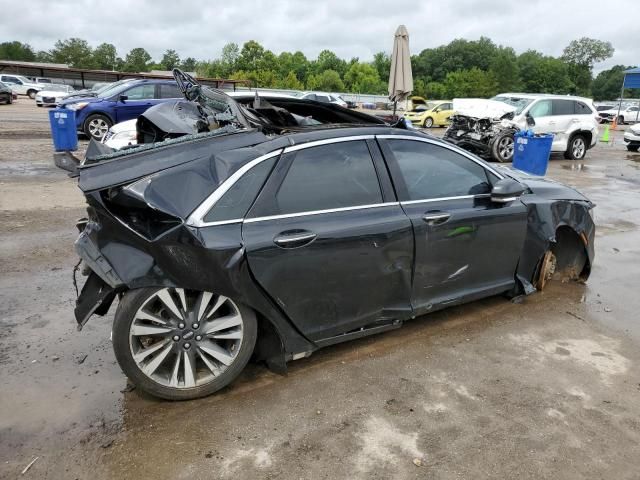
(239,260)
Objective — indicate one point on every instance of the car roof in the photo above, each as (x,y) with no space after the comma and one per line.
(544,95)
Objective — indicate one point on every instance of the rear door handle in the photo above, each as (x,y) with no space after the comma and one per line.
(436,218)
(294,239)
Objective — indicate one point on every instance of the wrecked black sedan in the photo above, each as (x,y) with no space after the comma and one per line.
(223,246)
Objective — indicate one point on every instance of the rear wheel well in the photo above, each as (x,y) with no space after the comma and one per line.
(269,346)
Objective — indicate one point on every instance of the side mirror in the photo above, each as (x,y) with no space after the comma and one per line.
(530,120)
(123,98)
(507,190)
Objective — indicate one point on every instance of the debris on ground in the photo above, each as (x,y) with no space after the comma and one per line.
(26,469)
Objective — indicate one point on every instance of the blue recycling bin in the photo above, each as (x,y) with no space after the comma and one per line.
(531,152)
(63,129)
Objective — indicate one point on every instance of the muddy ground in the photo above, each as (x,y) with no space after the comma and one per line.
(548,388)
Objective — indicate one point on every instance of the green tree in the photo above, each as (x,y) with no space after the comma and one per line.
(105,57)
(137,60)
(250,56)
(291,82)
(470,83)
(73,51)
(188,64)
(16,51)
(382,63)
(504,67)
(607,85)
(328,80)
(363,78)
(327,60)
(229,59)
(543,74)
(587,52)
(170,60)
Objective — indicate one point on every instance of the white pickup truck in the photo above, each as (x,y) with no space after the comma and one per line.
(21,85)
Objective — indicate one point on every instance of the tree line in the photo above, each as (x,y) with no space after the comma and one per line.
(462,68)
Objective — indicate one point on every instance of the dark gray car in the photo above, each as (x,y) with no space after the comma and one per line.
(231,244)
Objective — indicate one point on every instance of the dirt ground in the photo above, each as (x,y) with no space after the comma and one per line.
(546,388)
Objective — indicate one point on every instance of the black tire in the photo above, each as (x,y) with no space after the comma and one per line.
(98,124)
(620,120)
(37,104)
(32,94)
(125,313)
(577,148)
(428,122)
(633,148)
(503,147)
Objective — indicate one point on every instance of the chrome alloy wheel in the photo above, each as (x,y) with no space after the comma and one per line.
(506,147)
(183,338)
(578,148)
(98,128)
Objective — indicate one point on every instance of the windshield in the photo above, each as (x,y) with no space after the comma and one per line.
(112,89)
(518,102)
(58,88)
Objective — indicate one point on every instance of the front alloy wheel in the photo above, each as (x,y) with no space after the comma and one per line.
(181,344)
(97,126)
(503,147)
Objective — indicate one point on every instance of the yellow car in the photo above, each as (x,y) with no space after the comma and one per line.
(434,113)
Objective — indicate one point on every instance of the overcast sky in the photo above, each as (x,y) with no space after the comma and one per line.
(348,27)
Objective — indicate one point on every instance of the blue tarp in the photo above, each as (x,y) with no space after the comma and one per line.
(632,78)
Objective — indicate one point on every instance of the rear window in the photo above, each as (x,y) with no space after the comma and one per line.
(563,107)
(582,108)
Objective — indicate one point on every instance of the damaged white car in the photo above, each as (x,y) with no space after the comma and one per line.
(487,127)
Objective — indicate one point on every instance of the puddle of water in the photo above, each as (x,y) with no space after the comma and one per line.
(576,167)
(634,157)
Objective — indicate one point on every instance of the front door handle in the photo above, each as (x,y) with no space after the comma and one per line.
(294,239)
(436,218)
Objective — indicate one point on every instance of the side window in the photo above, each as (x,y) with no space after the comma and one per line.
(237,200)
(311,96)
(541,109)
(11,80)
(582,109)
(430,171)
(169,91)
(563,107)
(141,92)
(446,106)
(323,98)
(329,176)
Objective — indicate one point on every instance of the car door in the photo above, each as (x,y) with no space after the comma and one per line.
(445,110)
(545,122)
(327,240)
(466,246)
(565,121)
(138,99)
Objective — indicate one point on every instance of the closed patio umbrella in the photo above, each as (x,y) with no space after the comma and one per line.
(400,76)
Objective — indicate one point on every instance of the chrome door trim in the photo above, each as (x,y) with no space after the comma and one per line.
(327,141)
(444,199)
(319,212)
(196,218)
(441,143)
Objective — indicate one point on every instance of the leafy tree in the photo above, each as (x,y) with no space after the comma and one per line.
(105,57)
(543,74)
(188,64)
(382,63)
(363,78)
(607,85)
(137,60)
(504,67)
(587,52)
(436,91)
(470,83)
(327,60)
(229,59)
(250,56)
(73,51)
(16,51)
(328,80)
(170,60)
(291,82)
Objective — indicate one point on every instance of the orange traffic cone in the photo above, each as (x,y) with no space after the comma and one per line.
(614,124)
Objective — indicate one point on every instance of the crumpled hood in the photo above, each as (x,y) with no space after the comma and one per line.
(481,108)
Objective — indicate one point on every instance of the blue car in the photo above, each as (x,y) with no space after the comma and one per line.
(124,101)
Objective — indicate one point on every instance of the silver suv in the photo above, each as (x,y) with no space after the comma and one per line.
(487,126)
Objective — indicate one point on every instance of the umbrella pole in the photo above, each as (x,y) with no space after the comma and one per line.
(395,104)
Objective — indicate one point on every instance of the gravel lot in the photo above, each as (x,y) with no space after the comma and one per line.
(548,388)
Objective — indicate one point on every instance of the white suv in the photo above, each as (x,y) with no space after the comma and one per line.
(487,127)
(21,85)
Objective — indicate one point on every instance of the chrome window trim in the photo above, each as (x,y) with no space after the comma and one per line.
(196,218)
(327,141)
(319,212)
(444,199)
(442,144)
